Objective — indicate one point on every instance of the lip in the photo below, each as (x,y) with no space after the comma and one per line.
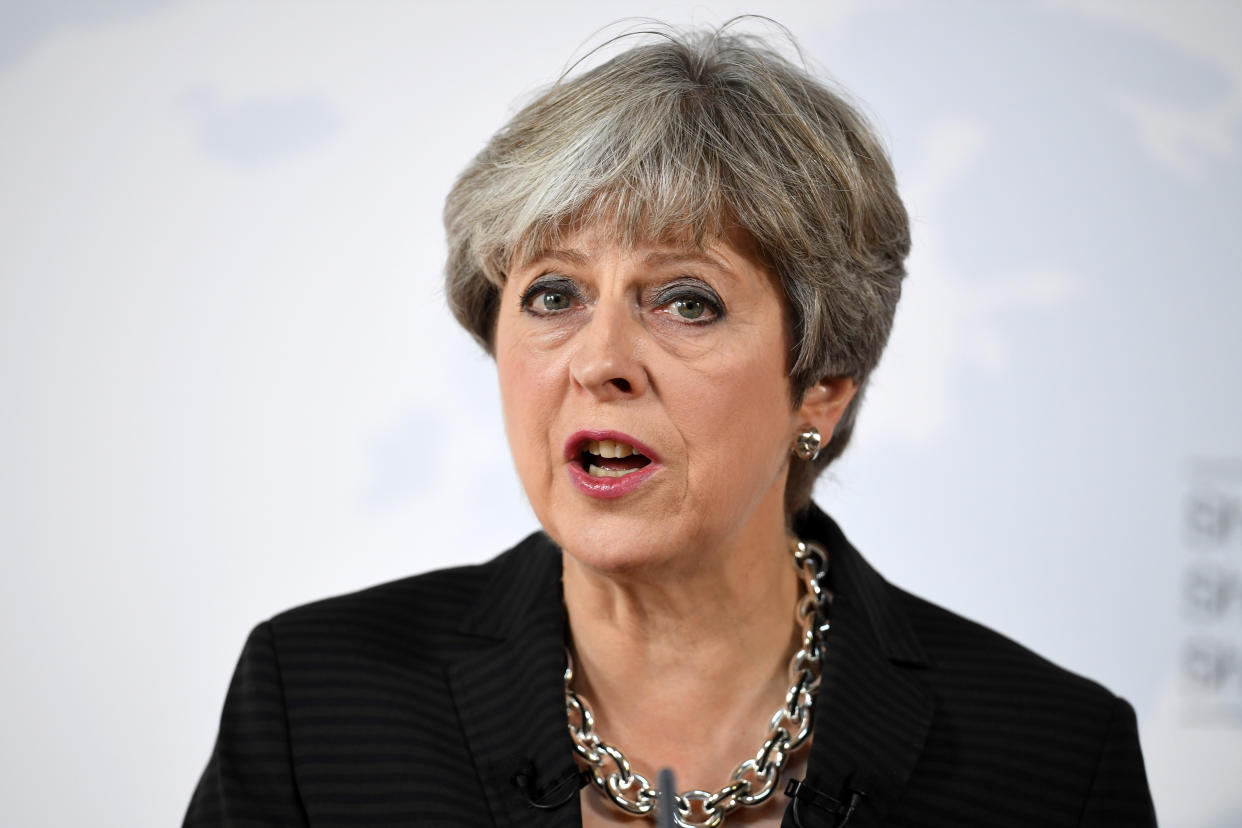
(607,487)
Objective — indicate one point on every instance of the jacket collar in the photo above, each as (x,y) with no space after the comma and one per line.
(871,714)
(510,693)
(866,592)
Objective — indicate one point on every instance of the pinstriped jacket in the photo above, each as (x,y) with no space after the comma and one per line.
(437,700)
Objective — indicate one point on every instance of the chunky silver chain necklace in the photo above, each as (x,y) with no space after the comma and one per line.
(753,781)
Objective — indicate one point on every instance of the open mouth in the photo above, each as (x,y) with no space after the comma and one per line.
(610,458)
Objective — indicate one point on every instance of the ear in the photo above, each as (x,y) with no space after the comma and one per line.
(824,403)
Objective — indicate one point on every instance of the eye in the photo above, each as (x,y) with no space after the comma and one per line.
(550,295)
(689,308)
(553,300)
(690,304)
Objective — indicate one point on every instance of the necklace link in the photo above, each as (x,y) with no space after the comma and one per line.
(753,780)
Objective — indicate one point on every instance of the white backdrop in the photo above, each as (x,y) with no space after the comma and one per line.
(230,384)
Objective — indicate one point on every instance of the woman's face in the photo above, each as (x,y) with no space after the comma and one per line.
(646,398)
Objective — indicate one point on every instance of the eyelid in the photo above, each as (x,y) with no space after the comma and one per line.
(685,287)
(689,289)
(549,282)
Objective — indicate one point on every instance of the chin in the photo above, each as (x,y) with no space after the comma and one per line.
(617,552)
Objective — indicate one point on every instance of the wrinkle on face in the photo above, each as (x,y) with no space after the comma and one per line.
(712,399)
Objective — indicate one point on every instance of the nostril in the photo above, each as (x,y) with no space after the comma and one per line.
(621,384)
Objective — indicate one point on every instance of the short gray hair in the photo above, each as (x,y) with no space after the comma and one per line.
(689,136)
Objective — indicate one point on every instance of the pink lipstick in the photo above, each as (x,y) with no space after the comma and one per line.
(608,464)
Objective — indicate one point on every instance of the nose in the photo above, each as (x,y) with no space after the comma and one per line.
(607,358)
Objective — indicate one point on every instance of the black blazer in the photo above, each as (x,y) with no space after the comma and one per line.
(437,700)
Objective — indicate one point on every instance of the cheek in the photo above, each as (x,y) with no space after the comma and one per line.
(742,412)
(529,400)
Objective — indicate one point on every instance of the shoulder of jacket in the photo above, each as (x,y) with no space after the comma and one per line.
(429,604)
(964,651)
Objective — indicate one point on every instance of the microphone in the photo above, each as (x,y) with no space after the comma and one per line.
(667,799)
(841,809)
(555,794)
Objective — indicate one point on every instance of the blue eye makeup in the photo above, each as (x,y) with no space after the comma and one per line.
(550,294)
(690,301)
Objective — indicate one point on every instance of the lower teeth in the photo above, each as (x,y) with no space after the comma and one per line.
(596,471)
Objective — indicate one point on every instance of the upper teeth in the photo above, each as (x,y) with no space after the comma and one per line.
(610,448)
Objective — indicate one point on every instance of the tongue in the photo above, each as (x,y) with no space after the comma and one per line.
(634,461)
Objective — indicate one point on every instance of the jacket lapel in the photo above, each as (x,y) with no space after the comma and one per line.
(509,693)
(871,714)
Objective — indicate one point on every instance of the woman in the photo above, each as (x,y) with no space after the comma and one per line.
(685,263)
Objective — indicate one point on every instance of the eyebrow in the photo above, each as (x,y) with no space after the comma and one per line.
(656,258)
(570,255)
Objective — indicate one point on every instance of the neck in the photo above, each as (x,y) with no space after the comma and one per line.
(685,670)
